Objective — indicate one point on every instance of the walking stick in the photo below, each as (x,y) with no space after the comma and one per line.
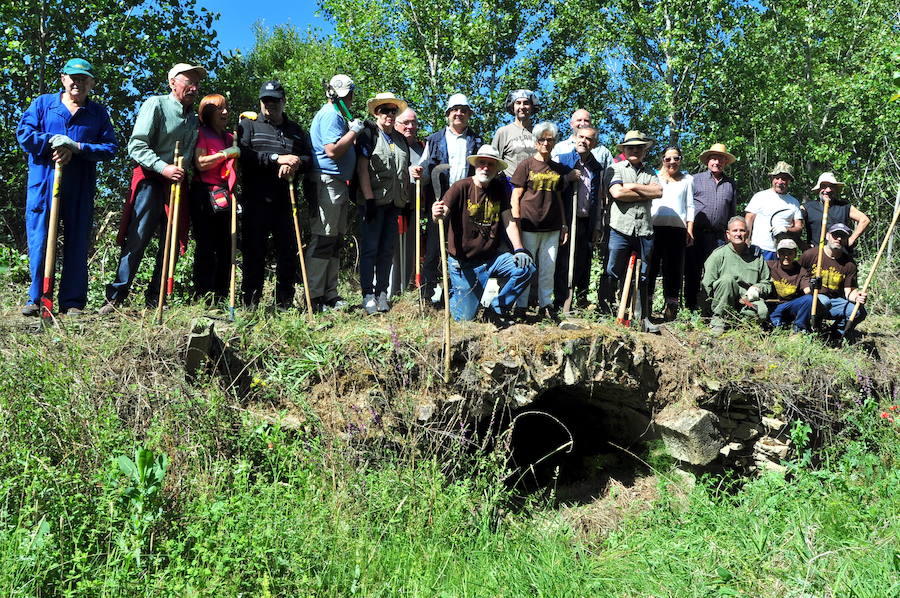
(567,304)
(418,217)
(309,305)
(865,286)
(232,282)
(637,307)
(815,303)
(163,275)
(50,250)
(441,240)
(175,214)
(626,291)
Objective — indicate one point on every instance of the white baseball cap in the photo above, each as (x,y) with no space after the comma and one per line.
(342,85)
(183,67)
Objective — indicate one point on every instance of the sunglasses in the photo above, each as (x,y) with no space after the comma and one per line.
(671,159)
(384,110)
(545,140)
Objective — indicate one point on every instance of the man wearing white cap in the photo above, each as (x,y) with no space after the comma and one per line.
(790,283)
(515,141)
(774,214)
(839,211)
(451,145)
(475,208)
(162,121)
(333,165)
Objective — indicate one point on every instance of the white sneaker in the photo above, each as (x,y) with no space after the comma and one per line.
(368,304)
(381,304)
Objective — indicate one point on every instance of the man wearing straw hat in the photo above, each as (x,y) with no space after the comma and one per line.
(382,169)
(476,207)
(839,211)
(633,185)
(715,201)
(774,214)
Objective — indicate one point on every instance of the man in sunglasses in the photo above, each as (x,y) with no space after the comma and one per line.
(274,149)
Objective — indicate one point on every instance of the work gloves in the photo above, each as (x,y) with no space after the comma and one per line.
(522,259)
(356,125)
(815,283)
(778,229)
(752,294)
(65,141)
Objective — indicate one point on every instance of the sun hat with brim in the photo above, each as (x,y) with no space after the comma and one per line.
(183,67)
(488,151)
(381,99)
(78,66)
(840,227)
(827,177)
(717,148)
(786,244)
(782,168)
(636,138)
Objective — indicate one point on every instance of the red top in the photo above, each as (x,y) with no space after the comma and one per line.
(211,143)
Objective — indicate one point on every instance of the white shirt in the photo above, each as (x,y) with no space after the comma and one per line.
(676,206)
(567,146)
(456,154)
(771,209)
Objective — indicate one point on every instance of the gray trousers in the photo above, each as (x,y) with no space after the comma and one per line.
(328,227)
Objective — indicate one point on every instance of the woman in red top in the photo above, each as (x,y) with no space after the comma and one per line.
(211,196)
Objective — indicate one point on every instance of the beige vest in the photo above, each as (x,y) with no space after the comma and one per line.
(388,170)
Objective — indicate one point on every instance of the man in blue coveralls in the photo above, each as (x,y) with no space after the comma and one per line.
(70,129)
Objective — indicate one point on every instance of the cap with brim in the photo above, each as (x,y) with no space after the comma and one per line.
(782,168)
(490,152)
(827,177)
(183,67)
(342,85)
(271,89)
(636,138)
(455,101)
(717,148)
(786,244)
(381,99)
(78,66)
(839,228)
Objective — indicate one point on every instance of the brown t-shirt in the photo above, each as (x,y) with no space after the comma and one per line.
(789,282)
(541,204)
(837,274)
(474,215)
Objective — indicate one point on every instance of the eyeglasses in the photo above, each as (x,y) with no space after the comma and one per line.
(671,159)
(385,110)
(545,140)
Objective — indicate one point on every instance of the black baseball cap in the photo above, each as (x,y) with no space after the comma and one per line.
(271,89)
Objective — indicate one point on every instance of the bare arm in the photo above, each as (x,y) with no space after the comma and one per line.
(512,229)
(862,223)
(515,200)
(749,217)
(339,148)
(796,227)
(204,162)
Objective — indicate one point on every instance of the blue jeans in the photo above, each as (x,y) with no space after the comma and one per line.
(378,237)
(765,253)
(149,216)
(839,310)
(620,248)
(469,277)
(796,310)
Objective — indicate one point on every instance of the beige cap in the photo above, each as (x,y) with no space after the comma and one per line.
(183,67)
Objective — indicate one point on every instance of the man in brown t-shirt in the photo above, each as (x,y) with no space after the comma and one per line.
(790,285)
(475,208)
(836,280)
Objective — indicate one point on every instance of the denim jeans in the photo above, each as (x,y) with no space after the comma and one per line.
(379,235)
(620,248)
(796,310)
(469,277)
(839,310)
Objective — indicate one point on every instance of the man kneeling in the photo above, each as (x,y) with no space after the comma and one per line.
(736,277)
(474,208)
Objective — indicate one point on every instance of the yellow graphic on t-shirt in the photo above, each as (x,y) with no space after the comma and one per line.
(486,213)
(832,279)
(784,288)
(544,181)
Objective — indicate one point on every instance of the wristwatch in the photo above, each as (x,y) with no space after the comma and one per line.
(274,158)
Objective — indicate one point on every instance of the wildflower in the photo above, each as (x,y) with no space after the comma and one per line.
(893,407)
(884,415)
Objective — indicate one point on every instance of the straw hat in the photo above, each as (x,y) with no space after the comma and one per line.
(636,138)
(385,98)
(717,148)
(827,177)
(488,151)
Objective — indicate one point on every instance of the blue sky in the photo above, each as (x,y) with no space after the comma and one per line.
(237,17)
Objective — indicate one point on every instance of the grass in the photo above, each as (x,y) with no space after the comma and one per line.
(257,503)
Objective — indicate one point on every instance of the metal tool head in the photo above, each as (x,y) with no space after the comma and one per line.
(436,179)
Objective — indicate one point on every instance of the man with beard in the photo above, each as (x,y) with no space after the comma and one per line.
(839,211)
(778,212)
(515,141)
(836,280)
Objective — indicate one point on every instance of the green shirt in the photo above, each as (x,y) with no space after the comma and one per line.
(161,121)
(631,218)
(748,268)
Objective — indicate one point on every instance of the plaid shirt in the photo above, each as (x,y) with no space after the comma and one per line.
(714,202)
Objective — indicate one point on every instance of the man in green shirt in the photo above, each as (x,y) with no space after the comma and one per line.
(162,121)
(736,278)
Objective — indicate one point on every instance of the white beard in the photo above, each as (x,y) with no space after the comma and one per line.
(482,178)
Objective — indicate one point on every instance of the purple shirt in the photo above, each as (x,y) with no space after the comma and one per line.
(714,202)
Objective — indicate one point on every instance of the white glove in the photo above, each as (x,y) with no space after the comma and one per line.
(752,294)
(522,259)
(64,141)
(356,125)
(232,152)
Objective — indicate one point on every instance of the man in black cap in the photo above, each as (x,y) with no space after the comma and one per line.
(273,149)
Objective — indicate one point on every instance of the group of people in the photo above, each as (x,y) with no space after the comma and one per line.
(527,210)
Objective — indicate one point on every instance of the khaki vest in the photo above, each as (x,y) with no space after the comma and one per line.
(388,170)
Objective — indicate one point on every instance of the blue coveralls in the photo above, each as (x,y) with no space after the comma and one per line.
(90,126)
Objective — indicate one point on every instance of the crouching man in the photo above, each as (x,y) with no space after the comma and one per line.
(475,207)
(735,278)
(790,282)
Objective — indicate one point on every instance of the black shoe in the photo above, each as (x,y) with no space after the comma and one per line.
(549,312)
(498,320)
(31,310)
